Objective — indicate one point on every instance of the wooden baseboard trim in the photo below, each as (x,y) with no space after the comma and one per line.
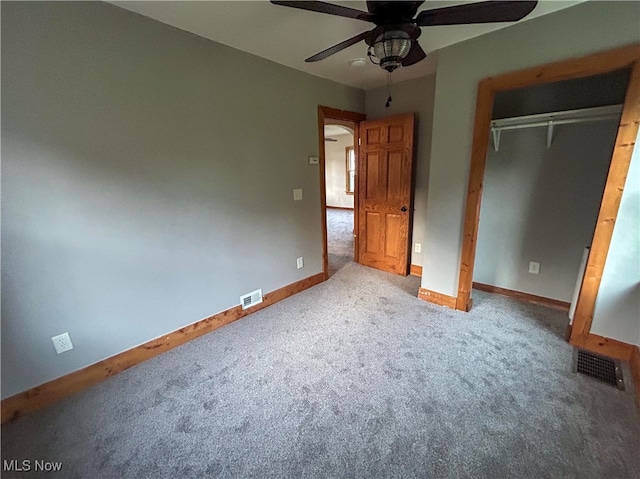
(415,270)
(529,298)
(57,389)
(567,332)
(605,346)
(339,208)
(437,298)
(634,363)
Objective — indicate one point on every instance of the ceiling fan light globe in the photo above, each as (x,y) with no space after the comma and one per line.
(393,43)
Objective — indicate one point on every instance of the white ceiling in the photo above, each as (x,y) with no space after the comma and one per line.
(336,130)
(289,35)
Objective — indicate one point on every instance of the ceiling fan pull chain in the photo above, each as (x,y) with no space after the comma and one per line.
(388,90)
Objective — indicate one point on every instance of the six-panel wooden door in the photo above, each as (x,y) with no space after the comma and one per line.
(385,193)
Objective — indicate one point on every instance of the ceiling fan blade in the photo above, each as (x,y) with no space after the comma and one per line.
(330,8)
(336,48)
(481,12)
(415,55)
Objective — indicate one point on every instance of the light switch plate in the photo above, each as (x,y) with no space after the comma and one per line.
(297,194)
(314,160)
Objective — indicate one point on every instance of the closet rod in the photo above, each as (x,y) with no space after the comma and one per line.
(550,120)
(558,122)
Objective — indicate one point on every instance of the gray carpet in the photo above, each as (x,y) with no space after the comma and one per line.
(355,377)
(339,239)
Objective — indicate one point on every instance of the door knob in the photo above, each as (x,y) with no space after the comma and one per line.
(404,208)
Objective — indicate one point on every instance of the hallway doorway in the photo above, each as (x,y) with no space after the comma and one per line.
(340,175)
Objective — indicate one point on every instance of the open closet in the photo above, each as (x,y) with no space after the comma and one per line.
(547,163)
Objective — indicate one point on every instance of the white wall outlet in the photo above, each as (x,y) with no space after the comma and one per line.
(314,160)
(297,194)
(534,268)
(418,248)
(300,262)
(62,343)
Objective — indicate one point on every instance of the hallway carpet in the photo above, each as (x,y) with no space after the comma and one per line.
(340,242)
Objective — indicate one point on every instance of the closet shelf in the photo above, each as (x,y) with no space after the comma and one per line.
(552,119)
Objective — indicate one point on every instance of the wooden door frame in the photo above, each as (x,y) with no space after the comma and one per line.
(328,113)
(627,57)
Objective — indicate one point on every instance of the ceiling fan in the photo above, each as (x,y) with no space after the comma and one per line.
(394,40)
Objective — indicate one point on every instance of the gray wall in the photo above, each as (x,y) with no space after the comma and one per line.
(579,30)
(541,205)
(336,171)
(617,313)
(411,96)
(593,91)
(147,179)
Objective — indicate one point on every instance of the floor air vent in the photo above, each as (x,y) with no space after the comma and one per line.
(251,299)
(598,367)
